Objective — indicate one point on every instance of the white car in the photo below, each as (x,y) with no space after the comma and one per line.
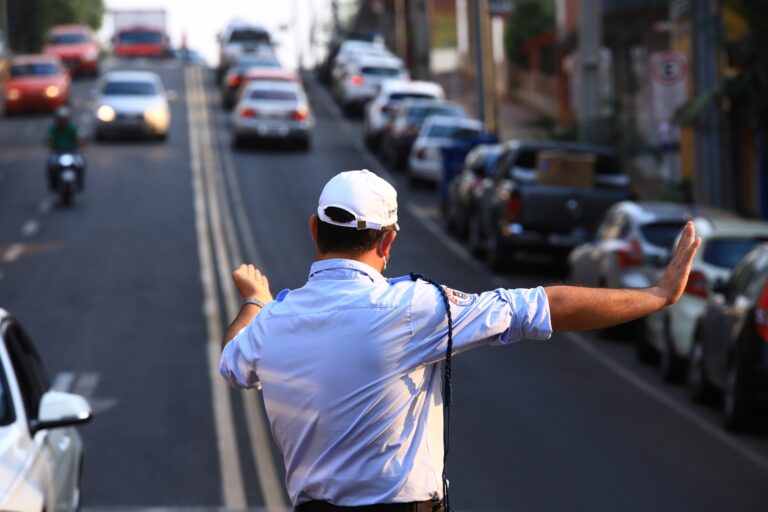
(131,103)
(41,455)
(353,48)
(425,161)
(379,111)
(273,110)
(724,242)
(239,39)
(363,76)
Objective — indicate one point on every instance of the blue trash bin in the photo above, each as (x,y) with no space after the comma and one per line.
(453,159)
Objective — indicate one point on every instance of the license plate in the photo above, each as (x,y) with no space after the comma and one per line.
(68,175)
(266,129)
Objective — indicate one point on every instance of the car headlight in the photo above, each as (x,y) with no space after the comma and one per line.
(91,54)
(13,94)
(156,115)
(105,113)
(51,91)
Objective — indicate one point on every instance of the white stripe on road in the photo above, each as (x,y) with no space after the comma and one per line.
(13,253)
(229,459)
(30,227)
(732,442)
(63,381)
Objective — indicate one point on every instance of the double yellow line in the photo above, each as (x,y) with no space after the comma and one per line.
(218,204)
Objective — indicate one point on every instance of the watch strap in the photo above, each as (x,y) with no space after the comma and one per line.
(254,301)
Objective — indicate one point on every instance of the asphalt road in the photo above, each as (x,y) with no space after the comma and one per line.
(125,293)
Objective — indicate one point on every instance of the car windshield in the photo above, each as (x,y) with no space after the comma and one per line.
(377,71)
(140,37)
(447,131)
(272,95)
(661,234)
(34,69)
(68,38)
(249,36)
(129,88)
(727,252)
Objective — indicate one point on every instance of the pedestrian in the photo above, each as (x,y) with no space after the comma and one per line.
(350,364)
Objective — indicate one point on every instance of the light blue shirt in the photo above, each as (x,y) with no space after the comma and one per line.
(350,370)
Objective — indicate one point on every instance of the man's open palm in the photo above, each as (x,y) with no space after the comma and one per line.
(675,277)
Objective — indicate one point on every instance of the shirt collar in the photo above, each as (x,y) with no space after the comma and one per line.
(327,269)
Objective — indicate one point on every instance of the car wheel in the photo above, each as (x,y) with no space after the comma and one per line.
(699,388)
(305,144)
(474,237)
(736,402)
(671,365)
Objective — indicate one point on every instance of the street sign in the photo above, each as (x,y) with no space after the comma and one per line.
(669,84)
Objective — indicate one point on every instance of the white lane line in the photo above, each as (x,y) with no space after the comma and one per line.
(732,442)
(228,255)
(13,253)
(30,227)
(63,381)
(226,441)
(45,205)
(85,385)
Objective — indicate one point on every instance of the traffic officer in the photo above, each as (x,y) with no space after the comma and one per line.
(350,363)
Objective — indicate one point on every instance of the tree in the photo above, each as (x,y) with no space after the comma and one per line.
(29,20)
(529,18)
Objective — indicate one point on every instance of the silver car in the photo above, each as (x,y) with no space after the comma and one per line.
(131,103)
(273,110)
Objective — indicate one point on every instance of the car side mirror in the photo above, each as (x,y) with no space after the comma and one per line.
(59,409)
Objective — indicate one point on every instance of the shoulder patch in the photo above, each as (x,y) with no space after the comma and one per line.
(282,294)
(459,298)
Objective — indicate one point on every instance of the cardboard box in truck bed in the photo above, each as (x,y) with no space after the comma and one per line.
(566,169)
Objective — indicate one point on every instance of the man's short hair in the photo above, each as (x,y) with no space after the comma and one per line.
(332,238)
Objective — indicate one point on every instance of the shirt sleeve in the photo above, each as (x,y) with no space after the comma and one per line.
(497,317)
(240,358)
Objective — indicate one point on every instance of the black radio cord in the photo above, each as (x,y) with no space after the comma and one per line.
(446,383)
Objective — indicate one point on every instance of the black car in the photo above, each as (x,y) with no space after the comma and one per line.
(730,346)
(463,189)
(405,124)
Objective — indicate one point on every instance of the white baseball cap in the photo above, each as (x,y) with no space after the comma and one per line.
(370,199)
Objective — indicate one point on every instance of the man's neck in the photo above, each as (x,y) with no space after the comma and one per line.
(370,258)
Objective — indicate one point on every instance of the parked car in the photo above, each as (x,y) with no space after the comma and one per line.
(462,191)
(520,213)
(725,240)
(41,455)
(351,49)
(131,103)
(36,82)
(239,39)
(362,78)
(233,78)
(730,344)
(273,110)
(378,111)
(425,161)
(76,46)
(401,132)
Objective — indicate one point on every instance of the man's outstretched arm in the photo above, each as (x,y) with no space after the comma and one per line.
(251,283)
(575,308)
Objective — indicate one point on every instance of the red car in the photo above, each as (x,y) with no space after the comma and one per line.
(140,41)
(76,47)
(36,82)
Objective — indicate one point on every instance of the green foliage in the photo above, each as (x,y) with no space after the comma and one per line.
(31,19)
(530,18)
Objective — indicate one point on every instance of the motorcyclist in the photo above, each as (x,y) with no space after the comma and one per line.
(63,137)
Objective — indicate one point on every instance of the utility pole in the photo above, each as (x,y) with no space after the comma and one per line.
(401,37)
(418,11)
(486,84)
(590,40)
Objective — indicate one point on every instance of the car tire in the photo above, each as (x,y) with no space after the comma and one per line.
(699,387)
(671,365)
(305,144)
(737,406)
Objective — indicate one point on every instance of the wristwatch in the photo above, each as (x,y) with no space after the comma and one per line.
(254,301)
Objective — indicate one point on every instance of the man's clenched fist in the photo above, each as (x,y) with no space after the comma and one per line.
(251,282)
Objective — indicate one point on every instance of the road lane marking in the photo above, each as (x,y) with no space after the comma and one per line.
(13,253)
(229,254)
(30,227)
(229,459)
(706,426)
(63,381)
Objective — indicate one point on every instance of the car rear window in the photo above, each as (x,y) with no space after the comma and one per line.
(379,71)
(662,234)
(727,252)
(446,131)
(270,94)
(140,37)
(68,38)
(399,96)
(129,88)
(34,69)
(249,36)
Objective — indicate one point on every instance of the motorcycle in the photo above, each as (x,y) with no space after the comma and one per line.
(67,175)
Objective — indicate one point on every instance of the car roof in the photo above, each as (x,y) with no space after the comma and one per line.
(274,84)
(395,86)
(32,59)
(710,227)
(454,121)
(562,145)
(131,75)
(423,102)
(368,59)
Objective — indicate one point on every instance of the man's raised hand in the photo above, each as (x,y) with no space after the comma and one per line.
(675,278)
(251,283)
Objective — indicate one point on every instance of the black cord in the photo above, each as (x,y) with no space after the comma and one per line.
(446,383)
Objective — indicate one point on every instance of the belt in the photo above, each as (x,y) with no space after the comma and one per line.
(414,506)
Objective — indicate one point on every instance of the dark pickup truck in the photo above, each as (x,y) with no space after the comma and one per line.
(518,214)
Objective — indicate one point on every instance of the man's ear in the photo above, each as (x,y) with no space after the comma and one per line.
(385,246)
(313,227)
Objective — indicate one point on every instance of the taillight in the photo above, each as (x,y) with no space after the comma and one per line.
(514,207)
(300,114)
(356,80)
(248,112)
(631,255)
(697,284)
(233,80)
(761,315)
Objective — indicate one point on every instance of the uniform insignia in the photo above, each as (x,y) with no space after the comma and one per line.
(459,298)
